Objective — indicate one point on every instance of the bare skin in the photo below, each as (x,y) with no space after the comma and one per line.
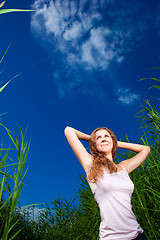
(104,144)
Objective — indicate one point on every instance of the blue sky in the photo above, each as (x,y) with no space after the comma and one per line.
(80,62)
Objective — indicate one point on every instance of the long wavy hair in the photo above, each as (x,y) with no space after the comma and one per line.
(100,161)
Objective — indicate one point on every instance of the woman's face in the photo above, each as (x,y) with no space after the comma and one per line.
(104,142)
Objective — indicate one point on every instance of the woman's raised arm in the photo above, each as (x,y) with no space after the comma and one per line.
(74,136)
(134,162)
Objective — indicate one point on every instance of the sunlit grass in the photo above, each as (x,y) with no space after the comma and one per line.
(12,189)
(3,11)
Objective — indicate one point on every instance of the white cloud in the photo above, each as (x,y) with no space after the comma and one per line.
(126,97)
(90,37)
(96,51)
(81,26)
(74,32)
(69,25)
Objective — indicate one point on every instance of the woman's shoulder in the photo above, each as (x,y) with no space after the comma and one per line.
(122,165)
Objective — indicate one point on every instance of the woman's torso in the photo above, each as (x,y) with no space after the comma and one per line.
(113,194)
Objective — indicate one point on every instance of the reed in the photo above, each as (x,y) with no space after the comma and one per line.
(3,11)
(11,184)
(10,191)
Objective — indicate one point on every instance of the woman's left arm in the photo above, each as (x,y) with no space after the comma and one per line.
(134,162)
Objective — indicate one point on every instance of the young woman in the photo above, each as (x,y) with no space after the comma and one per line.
(110,182)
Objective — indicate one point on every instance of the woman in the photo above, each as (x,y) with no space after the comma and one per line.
(110,182)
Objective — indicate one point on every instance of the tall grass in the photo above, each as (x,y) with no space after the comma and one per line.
(3,11)
(10,190)
(147,195)
(12,180)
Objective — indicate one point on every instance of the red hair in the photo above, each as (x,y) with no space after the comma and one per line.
(99,159)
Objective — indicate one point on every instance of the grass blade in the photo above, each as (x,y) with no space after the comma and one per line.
(14,10)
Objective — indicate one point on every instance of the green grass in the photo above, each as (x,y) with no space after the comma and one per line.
(3,11)
(11,184)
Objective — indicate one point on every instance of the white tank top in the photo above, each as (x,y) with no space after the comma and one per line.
(113,195)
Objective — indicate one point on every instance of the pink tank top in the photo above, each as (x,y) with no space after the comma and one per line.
(113,195)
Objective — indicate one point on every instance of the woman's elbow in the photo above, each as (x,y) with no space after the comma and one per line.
(148,149)
(66,130)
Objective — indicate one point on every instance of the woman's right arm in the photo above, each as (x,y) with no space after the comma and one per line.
(74,136)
